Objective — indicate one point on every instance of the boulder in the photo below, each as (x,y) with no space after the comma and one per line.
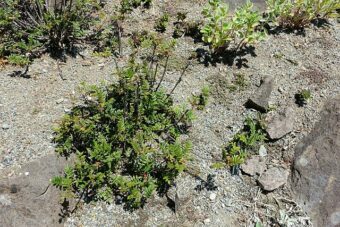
(260,99)
(281,124)
(29,199)
(316,170)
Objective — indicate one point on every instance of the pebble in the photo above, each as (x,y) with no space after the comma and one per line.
(27,173)
(207,221)
(263,151)
(66,110)
(212,196)
(5,126)
(60,101)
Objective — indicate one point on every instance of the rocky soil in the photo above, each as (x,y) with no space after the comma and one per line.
(265,191)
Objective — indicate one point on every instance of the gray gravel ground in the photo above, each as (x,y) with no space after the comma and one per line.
(30,107)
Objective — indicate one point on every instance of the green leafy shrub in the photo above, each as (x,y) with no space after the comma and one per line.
(29,28)
(243,143)
(220,30)
(162,23)
(126,137)
(296,14)
(107,39)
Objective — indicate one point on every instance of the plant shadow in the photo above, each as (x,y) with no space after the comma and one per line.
(228,57)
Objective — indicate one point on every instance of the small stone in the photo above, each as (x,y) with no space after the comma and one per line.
(281,124)
(263,151)
(212,196)
(273,178)
(66,110)
(260,99)
(27,173)
(5,126)
(254,165)
(207,221)
(60,101)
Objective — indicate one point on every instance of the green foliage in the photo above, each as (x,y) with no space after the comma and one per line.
(107,39)
(302,97)
(126,138)
(162,23)
(29,28)
(127,6)
(295,14)
(243,143)
(221,30)
(239,83)
(184,27)
(201,100)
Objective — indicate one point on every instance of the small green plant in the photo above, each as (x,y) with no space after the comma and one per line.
(126,138)
(302,97)
(30,28)
(186,28)
(201,100)
(243,144)
(221,30)
(162,23)
(239,83)
(297,14)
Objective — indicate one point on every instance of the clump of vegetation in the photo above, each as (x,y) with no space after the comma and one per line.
(243,143)
(186,28)
(302,97)
(162,23)
(220,30)
(239,83)
(297,14)
(201,100)
(126,137)
(30,28)
(107,39)
(127,6)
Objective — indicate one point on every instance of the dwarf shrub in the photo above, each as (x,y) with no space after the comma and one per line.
(126,138)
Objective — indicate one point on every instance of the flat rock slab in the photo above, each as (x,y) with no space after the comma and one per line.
(254,165)
(260,99)
(316,170)
(273,178)
(27,199)
(281,124)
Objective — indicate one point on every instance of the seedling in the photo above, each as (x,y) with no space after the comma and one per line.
(162,23)
(243,144)
(302,97)
(201,100)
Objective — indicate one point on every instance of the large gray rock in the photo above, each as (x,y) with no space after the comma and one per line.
(316,170)
(260,99)
(27,199)
(281,124)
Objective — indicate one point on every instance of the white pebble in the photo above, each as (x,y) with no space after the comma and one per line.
(212,196)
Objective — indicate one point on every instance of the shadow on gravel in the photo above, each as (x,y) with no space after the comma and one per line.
(228,57)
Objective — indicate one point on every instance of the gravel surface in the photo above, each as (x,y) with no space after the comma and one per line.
(29,108)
